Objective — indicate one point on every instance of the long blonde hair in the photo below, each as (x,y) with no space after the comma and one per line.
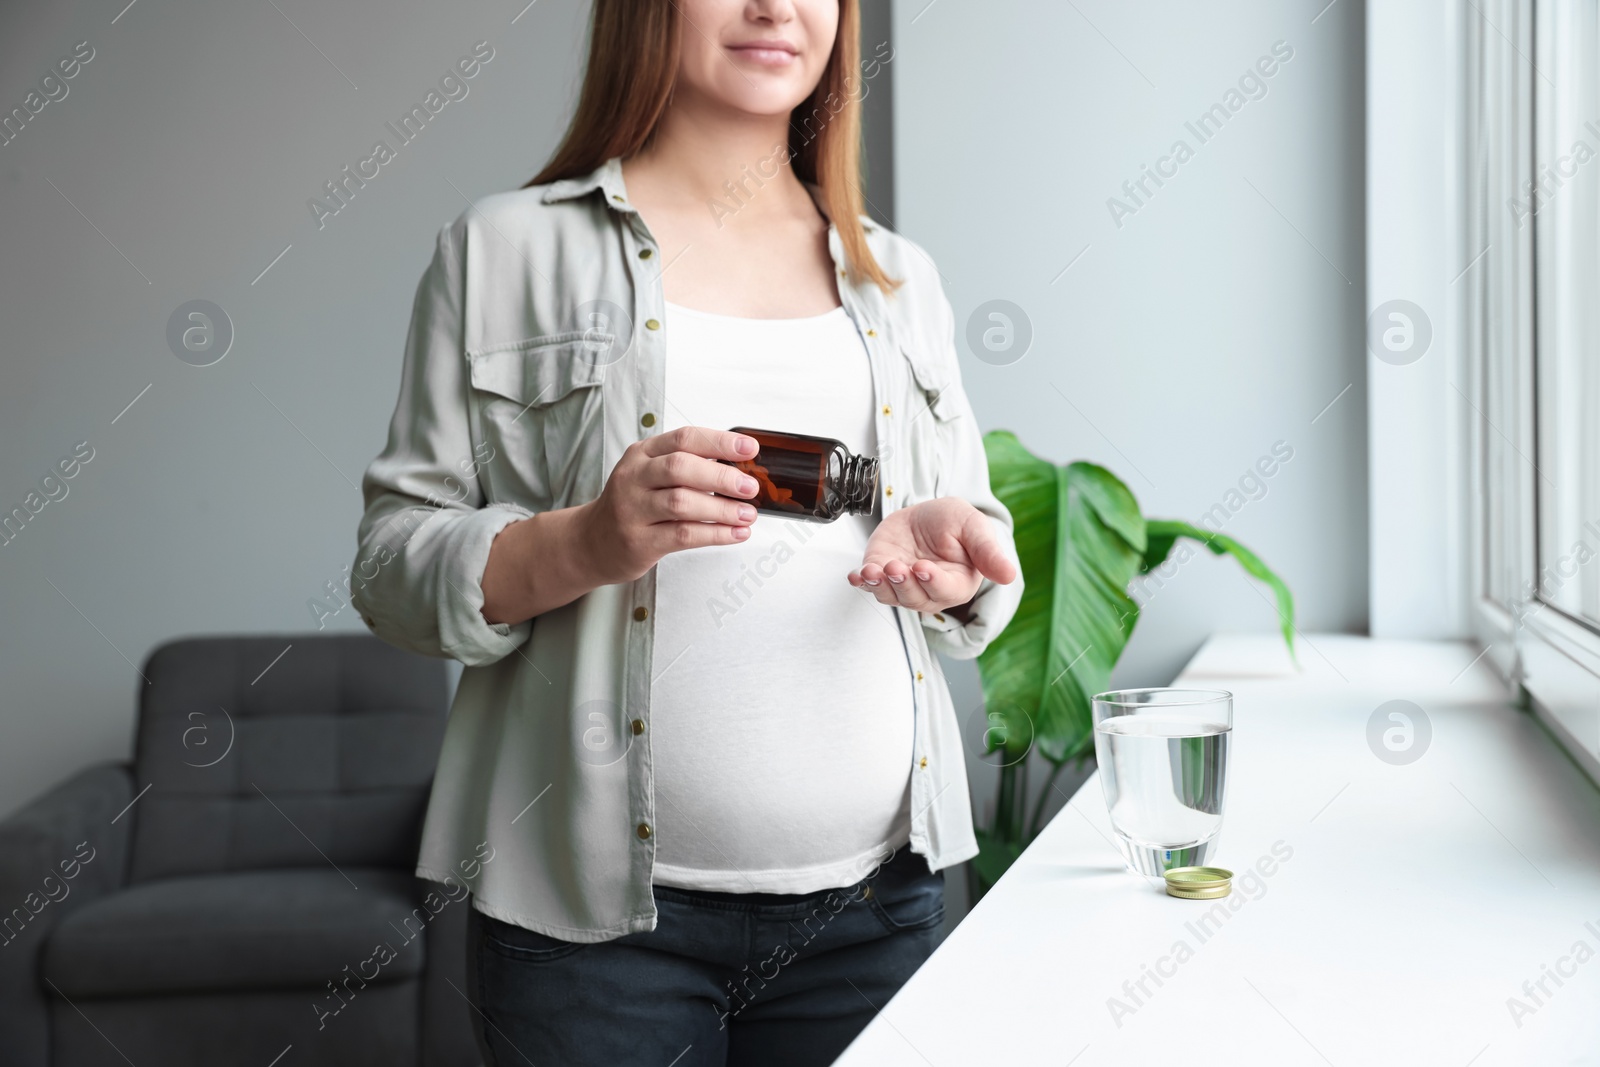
(633,62)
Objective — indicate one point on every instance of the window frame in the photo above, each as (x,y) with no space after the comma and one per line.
(1552,655)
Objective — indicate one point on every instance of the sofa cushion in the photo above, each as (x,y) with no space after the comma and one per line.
(253,930)
(289,751)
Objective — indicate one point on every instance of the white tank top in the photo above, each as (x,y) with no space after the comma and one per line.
(781,702)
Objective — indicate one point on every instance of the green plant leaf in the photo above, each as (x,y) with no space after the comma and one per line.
(1164,533)
(1080,539)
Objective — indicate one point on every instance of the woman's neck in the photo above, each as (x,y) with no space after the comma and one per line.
(699,150)
(731,218)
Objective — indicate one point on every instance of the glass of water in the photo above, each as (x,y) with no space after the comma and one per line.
(1163,756)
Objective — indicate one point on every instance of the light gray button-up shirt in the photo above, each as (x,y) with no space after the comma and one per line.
(535,357)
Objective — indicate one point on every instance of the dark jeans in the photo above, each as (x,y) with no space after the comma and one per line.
(724,980)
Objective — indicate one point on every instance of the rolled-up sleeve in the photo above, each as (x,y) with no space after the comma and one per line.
(964,468)
(425,533)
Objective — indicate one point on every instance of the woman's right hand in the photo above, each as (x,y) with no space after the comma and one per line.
(658,500)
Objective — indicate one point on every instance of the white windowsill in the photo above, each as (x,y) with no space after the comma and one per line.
(1418,898)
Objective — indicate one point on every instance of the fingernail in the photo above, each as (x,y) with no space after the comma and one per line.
(747,486)
(895,580)
(746,512)
(746,446)
(741,532)
(923,577)
(870,581)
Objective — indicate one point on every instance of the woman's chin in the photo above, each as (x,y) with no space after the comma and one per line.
(761,102)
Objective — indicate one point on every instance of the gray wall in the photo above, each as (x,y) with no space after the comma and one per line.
(1219,318)
(227,495)
(177,167)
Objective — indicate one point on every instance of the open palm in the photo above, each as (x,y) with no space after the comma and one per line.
(932,556)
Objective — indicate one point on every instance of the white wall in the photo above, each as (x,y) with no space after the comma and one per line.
(1222,317)
(1417,403)
(227,495)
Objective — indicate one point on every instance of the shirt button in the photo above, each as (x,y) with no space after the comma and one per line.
(919,676)
(886,409)
(642,613)
(866,893)
(936,615)
(647,419)
(638,727)
(872,333)
(644,831)
(618,198)
(924,763)
(645,253)
(888,490)
(652,324)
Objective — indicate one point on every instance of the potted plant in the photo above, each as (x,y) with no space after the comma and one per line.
(1081,539)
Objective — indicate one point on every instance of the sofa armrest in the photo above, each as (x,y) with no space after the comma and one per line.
(56,854)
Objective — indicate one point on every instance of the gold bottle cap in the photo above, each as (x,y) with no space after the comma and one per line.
(1198,877)
(1209,893)
(1199,883)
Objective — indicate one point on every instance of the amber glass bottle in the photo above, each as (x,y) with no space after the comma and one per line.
(812,478)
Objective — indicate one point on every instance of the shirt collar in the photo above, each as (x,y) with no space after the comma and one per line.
(607,177)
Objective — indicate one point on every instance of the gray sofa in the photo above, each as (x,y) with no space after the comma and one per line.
(227,898)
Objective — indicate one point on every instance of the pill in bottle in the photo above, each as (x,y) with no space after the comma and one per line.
(816,479)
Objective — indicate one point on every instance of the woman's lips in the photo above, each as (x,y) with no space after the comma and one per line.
(766,55)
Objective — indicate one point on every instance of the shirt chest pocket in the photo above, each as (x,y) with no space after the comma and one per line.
(932,412)
(538,406)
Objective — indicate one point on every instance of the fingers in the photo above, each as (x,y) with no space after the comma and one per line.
(906,590)
(679,504)
(930,587)
(872,580)
(922,585)
(881,578)
(694,472)
(689,457)
(700,441)
(669,493)
(871,573)
(686,535)
(940,586)
(983,549)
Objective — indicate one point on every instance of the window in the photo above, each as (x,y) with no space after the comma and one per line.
(1565,213)
(1530,140)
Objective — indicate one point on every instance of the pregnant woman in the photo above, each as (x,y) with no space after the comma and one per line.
(702,765)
